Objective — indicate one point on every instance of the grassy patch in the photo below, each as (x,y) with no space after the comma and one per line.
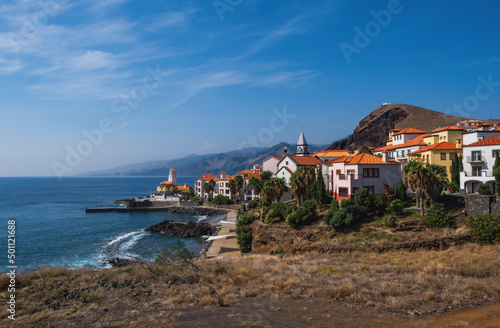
(331,270)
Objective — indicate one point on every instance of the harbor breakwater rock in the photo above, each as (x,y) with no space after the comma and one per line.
(196,210)
(182,229)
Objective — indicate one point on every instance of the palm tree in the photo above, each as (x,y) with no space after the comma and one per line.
(415,173)
(279,187)
(298,187)
(239,185)
(365,150)
(268,193)
(209,187)
(308,174)
(436,180)
(255,184)
(232,187)
(428,179)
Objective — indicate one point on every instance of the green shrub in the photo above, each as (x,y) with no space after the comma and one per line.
(364,201)
(244,238)
(195,199)
(274,213)
(257,203)
(380,204)
(453,186)
(401,192)
(222,200)
(483,189)
(305,214)
(485,228)
(244,221)
(389,220)
(437,217)
(396,207)
(334,205)
(342,220)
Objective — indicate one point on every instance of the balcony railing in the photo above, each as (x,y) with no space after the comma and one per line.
(475,159)
(479,174)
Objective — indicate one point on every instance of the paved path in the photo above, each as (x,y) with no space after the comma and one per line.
(225,244)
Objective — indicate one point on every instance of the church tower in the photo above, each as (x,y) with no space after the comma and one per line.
(302,148)
(172,178)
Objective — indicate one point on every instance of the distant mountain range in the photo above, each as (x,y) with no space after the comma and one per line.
(371,131)
(197,165)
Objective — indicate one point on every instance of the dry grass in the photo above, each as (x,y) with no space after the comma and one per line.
(397,281)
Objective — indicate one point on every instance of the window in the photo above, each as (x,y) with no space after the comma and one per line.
(476,171)
(286,163)
(350,172)
(450,169)
(440,138)
(443,156)
(427,158)
(370,173)
(338,172)
(476,155)
(495,152)
(343,192)
(452,156)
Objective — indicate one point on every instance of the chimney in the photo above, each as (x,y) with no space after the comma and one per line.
(458,143)
(385,156)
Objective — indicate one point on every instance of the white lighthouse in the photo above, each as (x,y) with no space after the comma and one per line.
(172,178)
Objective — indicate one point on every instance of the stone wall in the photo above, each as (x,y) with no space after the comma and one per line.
(476,205)
(453,202)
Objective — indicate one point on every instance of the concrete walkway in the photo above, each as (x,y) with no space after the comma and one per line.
(225,243)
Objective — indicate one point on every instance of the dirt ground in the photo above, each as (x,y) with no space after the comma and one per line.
(267,312)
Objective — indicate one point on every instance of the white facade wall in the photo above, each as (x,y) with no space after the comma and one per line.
(402,138)
(471,137)
(270,164)
(476,171)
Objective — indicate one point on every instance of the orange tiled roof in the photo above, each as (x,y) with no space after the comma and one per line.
(253,175)
(227,178)
(166,182)
(493,140)
(394,130)
(497,128)
(450,127)
(277,157)
(208,177)
(419,140)
(410,131)
(332,153)
(367,159)
(172,169)
(288,169)
(307,160)
(337,160)
(445,145)
(182,188)
(249,171)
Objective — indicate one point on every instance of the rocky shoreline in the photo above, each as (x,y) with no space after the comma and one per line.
(182,229)
(196,210)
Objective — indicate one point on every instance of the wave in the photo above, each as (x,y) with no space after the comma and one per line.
(202,218)
(117,240)
(132,241)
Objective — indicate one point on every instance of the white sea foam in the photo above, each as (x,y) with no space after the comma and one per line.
(132,241)
(124,236)
(202,218)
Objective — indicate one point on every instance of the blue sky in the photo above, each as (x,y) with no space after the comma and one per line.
(89,85)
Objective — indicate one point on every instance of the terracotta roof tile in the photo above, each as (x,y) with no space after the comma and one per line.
(166,182)
(445,145)
(306,160)
(208,177)
(450,127)
(493,140)
(410,131)
(367,159)
(417,141)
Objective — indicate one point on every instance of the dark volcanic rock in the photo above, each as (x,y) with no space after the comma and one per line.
(185,230)
(119,262)
(195,210)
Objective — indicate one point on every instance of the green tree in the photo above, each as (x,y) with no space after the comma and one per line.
(255,184)
(209,188)
(279,187)
(266,175)
(240,184)
(425,179)
(455,169)
(268,193)
(322,194)
(365,150)
(185,195)
(298,187)
(232,188)
(496,172)
(483,189)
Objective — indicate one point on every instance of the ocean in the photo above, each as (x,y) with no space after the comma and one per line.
(53,229)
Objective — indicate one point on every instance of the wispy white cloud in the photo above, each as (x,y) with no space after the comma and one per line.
(490,60)
(8,66)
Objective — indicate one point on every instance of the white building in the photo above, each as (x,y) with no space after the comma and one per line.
(402,142)
(289,164)
(347,174)
(478,162)
(271,164)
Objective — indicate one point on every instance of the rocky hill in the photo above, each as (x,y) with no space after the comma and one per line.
(373,129)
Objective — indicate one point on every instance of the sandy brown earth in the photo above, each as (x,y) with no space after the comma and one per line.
(274,312)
